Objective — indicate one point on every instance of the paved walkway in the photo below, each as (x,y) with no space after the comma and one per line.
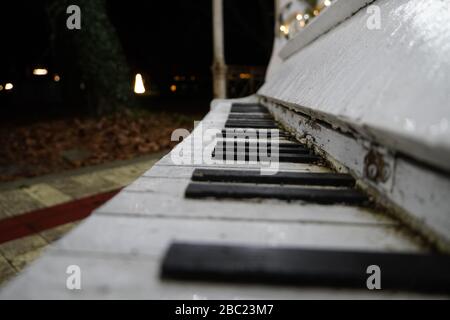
(21,200)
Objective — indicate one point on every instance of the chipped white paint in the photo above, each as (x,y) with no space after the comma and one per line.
(425,194)
(417,194)
(340,148)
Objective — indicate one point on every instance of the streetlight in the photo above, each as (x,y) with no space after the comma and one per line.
(40,72)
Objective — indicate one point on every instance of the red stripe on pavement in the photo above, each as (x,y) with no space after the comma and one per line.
(47,218)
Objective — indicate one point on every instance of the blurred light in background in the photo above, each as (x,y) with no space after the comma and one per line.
(139,87)
(173,88)
(1,87)
(57,78)
(296,17)
(40,72)
(9,86)
(284,29)
(245,76)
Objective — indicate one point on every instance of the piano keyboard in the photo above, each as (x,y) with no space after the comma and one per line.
(323,188)
(224,231)
(291,266)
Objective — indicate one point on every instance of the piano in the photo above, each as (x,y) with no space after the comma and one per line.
(330,183)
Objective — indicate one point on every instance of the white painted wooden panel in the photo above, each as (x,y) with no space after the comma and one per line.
(392,85)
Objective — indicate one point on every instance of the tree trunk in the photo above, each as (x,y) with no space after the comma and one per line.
(94,70)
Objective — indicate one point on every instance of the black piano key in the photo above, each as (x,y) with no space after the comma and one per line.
(262,144)
(245,122)
(250,126)
(247,105)
(257,142)
(282,157)
(250,117)
(251,133)
(305,267)
(248,108)
(285,178)
(223,148)
(247,135)
(238,191)
(262,112)
(243,109)
(251,114)
(252,120)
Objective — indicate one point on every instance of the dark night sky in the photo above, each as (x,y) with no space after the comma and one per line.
(160,37)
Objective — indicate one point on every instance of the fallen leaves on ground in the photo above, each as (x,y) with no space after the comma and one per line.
(38,149)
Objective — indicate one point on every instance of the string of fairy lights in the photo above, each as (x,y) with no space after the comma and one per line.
(297,14)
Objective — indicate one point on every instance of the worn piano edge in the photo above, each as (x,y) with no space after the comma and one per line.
(397,192)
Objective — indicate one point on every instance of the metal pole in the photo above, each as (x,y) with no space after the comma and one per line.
(219,67)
